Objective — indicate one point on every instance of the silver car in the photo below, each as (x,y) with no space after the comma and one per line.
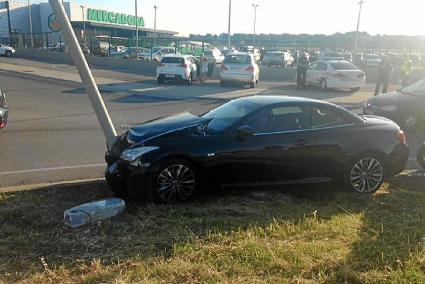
(240,68)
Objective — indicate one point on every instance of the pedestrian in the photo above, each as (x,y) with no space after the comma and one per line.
(302,66)
(384,73)
(204,69)
(405,71)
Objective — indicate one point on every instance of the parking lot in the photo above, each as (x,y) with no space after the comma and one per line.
(53,134)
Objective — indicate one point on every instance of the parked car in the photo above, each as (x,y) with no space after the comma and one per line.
(330,55)
(240,68)
(214,56)
(371,60)
(256,141)
(405,106)
(348,56)
(157,53)
(177,68)
(278,58)
(358,58)
(4,110)
(58,47)
(335,74)
(6,50)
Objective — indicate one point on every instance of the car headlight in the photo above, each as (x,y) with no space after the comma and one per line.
(389,108)
(131,155)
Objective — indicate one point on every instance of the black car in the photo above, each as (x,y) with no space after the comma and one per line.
(256,141)
(405,107)
(4,110)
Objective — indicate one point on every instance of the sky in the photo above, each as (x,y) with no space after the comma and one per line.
(391,17)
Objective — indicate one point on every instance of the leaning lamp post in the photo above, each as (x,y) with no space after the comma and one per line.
(85,73)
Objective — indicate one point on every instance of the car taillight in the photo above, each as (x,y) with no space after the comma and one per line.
(401,137)
(182,65)
(250,69)
(361,75)
(224,67)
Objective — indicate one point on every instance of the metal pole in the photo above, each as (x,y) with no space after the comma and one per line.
(85,73)
(137,30)
(356,41)
(154,27)
(30,19)
(8,22)
(230,18)
(255,19)
(84,25)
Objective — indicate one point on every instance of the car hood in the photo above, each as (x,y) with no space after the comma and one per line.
(162,126)
(393,98)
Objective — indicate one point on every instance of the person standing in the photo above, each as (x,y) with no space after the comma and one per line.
(302,66)
(204,69)
(384,73)
(406,70)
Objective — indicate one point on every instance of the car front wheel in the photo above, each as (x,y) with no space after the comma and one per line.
(175,181)
(365,174)
(8,53)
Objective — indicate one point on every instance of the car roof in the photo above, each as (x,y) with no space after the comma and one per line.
(269,100)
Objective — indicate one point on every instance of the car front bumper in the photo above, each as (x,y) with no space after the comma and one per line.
(397,160)
(243,78)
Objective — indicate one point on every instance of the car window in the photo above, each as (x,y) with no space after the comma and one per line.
(322,117)
(343,66)
(280,119)
(237,59)
(173,60)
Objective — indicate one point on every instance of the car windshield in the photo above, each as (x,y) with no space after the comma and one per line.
(417,89)
(237,59)
(228,114)
(343,66)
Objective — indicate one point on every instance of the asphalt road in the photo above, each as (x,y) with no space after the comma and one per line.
(53,134)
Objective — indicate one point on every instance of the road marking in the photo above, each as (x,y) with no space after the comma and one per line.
(51,169)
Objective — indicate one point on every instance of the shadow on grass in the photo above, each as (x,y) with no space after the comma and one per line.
(391,227)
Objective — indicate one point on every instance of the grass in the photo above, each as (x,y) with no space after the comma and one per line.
(298,235)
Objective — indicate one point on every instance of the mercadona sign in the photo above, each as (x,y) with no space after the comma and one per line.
(114,18)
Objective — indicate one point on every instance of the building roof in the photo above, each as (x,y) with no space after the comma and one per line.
(124,27)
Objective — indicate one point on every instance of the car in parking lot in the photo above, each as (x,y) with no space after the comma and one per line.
(214,56)
(335,74)
(255,141)
(240,68)
(181,68)
(7,50)
(4,110)
(405,106)
(278,58)
(371,60)
(157,53)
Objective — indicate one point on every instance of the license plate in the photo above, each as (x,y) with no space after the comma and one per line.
(169,76)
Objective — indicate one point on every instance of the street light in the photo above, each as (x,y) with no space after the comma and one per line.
(30,19)
(255,18)
(154,27)
(84,25)
(230,18)
(356,41)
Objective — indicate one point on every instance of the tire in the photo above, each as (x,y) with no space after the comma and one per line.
(8,53)
(323,85)
(365,174)
(420,157)
(353,90)
(179,181)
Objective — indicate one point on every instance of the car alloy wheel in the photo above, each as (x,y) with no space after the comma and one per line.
(366,175)
(175,182)
(8,53)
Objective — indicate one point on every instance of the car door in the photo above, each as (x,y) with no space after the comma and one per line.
(333,135)
(290,143)
(312,74)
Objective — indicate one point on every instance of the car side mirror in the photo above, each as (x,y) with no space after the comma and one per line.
(245,131)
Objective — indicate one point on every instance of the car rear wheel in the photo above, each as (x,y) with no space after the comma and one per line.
(8,53)
(365,174)
(176,181)
(323,85)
